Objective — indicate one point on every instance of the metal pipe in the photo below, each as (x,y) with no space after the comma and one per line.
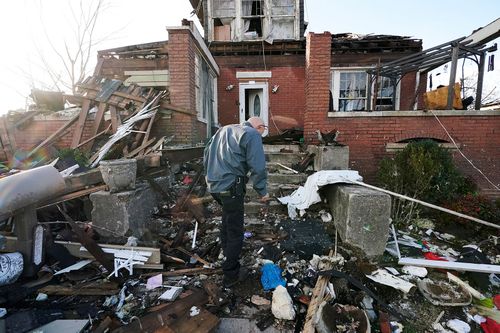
(28,188)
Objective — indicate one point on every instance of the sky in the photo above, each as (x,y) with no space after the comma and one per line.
(31,29)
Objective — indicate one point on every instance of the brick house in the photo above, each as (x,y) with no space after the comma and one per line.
(330,81)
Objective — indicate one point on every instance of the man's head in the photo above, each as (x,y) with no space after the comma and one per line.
(258,124)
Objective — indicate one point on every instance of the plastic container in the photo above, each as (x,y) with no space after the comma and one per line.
(119,175)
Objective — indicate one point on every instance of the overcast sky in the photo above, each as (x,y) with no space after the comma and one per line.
(26,24)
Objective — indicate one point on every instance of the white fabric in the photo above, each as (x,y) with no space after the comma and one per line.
(306,195)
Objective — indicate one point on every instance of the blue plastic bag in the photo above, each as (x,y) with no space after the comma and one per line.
(271,276)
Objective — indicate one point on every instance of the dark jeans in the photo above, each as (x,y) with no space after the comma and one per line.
(231,234)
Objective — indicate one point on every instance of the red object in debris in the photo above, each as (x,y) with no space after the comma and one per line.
(433,256)
(304,299)
(385,326)
(490,326)
(496,300)
(187,180)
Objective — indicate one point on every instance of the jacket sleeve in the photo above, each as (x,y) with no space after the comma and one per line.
(256,162)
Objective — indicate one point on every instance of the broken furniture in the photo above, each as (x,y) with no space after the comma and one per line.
(21,193)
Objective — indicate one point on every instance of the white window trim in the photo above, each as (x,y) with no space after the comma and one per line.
(335,82)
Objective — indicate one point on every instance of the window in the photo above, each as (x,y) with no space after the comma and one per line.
(205,91)
(238,20)
(349,91)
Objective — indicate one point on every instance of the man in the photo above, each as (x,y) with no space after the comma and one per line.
(233,152)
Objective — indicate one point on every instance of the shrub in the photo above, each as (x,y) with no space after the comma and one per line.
(425,171)
(473,205)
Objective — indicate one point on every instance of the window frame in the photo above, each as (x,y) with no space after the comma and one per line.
(335,88)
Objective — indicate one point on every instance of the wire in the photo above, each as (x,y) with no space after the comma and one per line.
(461,153)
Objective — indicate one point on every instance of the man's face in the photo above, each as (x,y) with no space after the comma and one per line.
(261,128)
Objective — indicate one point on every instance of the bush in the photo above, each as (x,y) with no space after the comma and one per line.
(73,154)
(424,171)
(473,205)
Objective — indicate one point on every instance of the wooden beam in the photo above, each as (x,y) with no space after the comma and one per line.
(316,299)
(55,135)
(81,123)
(95,136)
(71,196)
(453,74)
(58,290)
(115,118)
(97,123)
(138,149)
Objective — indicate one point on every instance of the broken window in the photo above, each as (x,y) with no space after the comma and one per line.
(252,14)
(205,91)
(349,91)
(223,14)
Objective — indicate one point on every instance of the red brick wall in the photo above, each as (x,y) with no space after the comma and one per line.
(181,50)
(478,137)
(36,131)
(286,106)
(317,82)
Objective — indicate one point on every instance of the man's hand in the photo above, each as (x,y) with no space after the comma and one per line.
(265,199)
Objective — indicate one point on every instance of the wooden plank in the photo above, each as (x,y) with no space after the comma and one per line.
(138,149)
(82,180)
(189,272)
(58,290)
(115,118)
(81,123)
(159,321)
(97,123)
(201,323)
(147,83)
(146,135)
(316,299)
(55,135)
(95,136)
(5,139)
(71,196)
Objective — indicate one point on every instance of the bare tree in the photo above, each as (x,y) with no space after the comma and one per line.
(75,52)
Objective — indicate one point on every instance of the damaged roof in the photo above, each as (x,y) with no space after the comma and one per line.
(357,43)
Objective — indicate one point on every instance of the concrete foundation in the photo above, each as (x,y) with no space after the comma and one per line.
(330,157)
(361,216)
(124,213)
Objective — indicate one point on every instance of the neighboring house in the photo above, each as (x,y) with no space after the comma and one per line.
(370,88)
(183,67)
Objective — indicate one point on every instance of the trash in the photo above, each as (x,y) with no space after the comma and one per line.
(282,305)
(154,282)
(63,325)
(415,271)
(458,326)
(132,241)
(41,297)
(383,277)
(465,285)
(325,216)
(444,293)
(271,276)
(341,318)
(11,267)
(260,301)
(171,294)
(194,311)
(3,312)
(74,267)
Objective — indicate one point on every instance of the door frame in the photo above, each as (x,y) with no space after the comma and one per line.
(265,100)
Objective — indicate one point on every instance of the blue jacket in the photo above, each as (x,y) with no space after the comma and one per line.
(234,151)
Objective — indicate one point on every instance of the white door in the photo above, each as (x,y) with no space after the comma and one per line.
(254,102)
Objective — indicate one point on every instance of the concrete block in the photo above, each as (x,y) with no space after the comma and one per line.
(124,213)
(361,215)
(330,157)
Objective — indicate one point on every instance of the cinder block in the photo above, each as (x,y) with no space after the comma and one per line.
(125,213)
(330,157)
(361,216)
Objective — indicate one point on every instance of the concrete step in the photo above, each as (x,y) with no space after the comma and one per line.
(285,158)
(253,208)
(281,148)
(279,178)
(274,190)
